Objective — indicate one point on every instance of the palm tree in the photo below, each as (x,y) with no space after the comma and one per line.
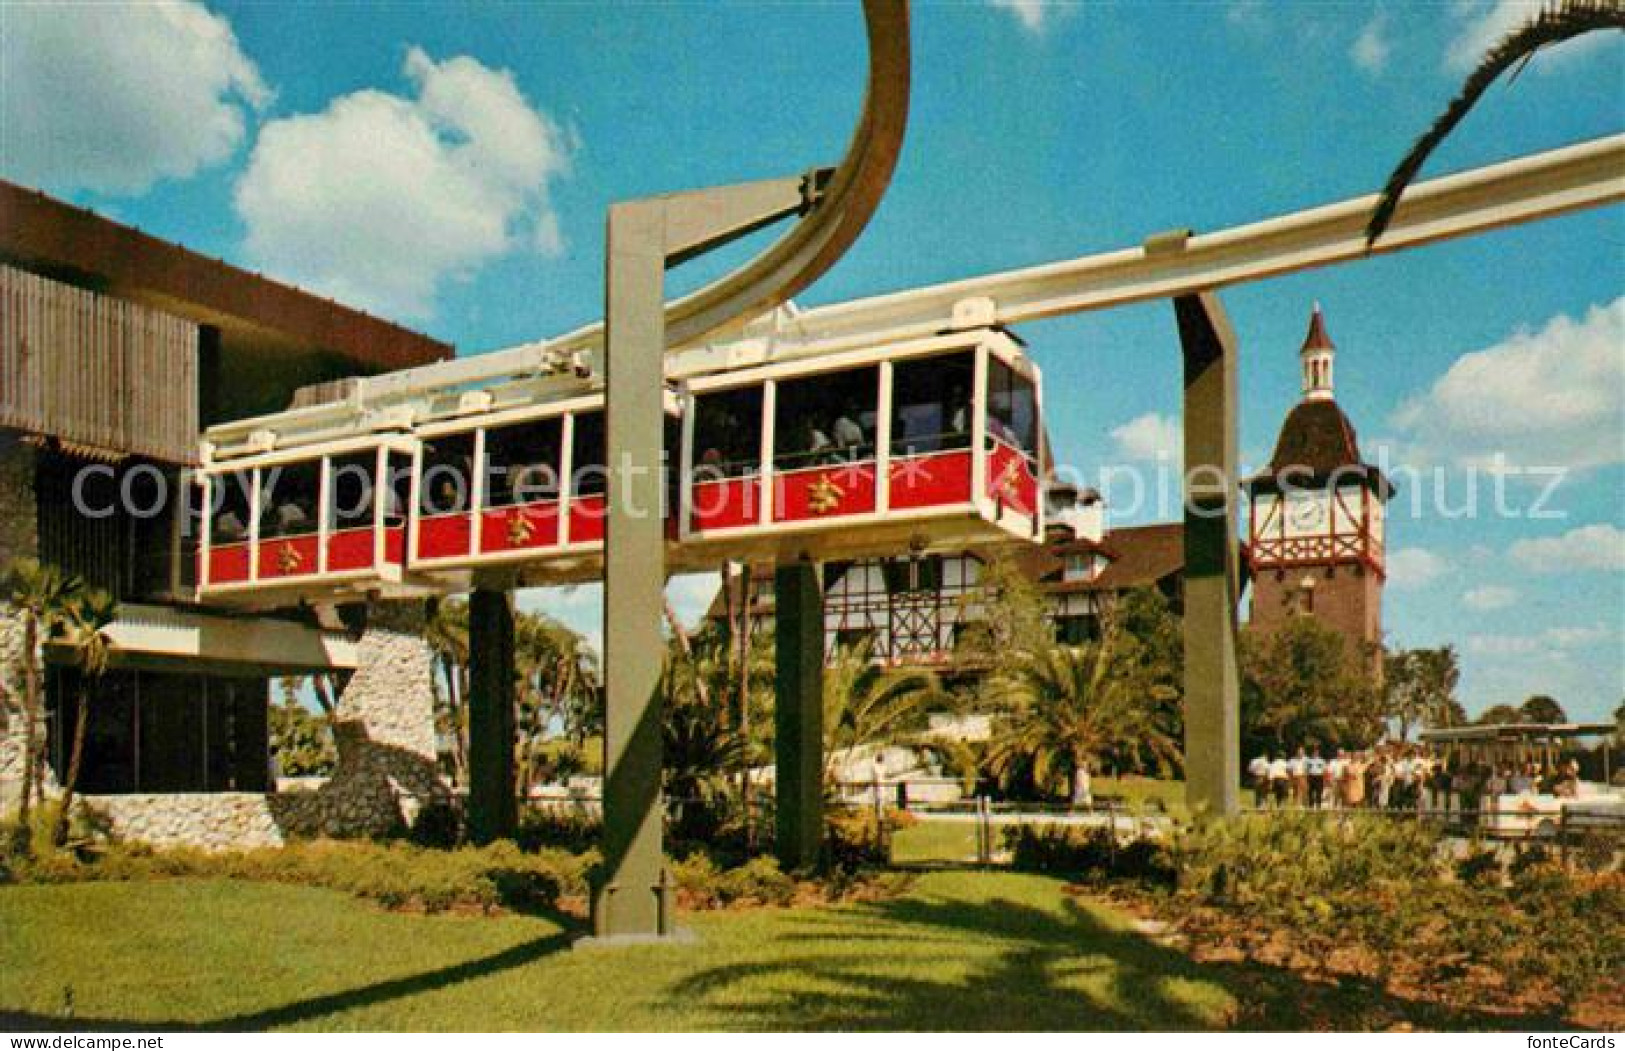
(446,632)
(88,619)
(701,745)
(1070,705)
(1554,24)
(865,703)
(557,674)
(42,596)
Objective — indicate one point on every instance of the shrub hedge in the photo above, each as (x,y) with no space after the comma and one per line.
(397,875)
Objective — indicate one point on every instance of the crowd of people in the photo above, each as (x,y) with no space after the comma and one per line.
(1397,777)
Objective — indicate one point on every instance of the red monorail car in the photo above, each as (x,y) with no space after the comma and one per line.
(283,524)
(934,443)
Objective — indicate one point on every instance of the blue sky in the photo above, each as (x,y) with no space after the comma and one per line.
(449,165)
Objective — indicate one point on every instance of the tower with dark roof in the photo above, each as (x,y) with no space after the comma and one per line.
(1315,521)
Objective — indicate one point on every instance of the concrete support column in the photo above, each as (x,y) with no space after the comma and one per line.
(1212,691)
(493,808)
(798,713)
(628,902)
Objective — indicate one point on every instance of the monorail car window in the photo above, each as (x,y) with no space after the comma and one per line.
(447,486)
(289,498)
(728,434)
(229,497)
(1012,409)
(588,476)
(931,403)
(523,461)
(353,488)
(825,419)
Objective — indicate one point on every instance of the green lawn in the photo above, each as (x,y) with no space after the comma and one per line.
(960,950)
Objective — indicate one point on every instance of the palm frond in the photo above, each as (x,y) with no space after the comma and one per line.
(1553,25)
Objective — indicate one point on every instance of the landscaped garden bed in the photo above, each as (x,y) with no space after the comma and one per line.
(1365,902)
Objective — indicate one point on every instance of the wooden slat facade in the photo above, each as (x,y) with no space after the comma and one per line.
(95,371)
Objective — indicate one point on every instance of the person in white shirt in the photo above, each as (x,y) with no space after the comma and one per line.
(1259,771)
(1337,768)
(847,433)
(1299,768)
(1317,779)
(1280,780)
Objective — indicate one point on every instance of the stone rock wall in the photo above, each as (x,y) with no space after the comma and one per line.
(213,821)
(19,538)
(387,769)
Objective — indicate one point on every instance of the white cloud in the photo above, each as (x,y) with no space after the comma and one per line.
(1414,567)
(1371,48)
(114,97)
(1549,642)
(1553,397)
(1034,15)
(1480,25)
(1152,436)
(379,199)
(1489,597)
(1585,548)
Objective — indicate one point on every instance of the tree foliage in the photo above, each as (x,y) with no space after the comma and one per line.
(43,597)
(1552,25)
(1302,686)
(88,616)
(866,704)
(1419,689)
(1011,621)
(1066,709)
(1542,709)
(301,740)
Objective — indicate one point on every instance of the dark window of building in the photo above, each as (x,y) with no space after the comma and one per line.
(727,434)
(1075,629)
(931,403)
(523,461)
(91,516)
(824,419)
(913,574)
(163,732)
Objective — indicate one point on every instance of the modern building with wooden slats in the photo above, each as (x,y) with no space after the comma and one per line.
(116,349)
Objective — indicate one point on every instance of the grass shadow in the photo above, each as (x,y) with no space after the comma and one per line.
(1028,968)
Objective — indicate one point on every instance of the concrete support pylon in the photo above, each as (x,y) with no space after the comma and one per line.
(1212,687)
(493,804)
(633,897)
(798,714)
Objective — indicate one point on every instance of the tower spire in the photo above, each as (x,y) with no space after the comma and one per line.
(1316,358)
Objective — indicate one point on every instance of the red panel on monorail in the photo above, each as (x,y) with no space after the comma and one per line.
(933,441)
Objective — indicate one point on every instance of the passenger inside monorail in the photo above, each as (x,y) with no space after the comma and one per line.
(230,496)
(448,475)
(817,421)
(288,499)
